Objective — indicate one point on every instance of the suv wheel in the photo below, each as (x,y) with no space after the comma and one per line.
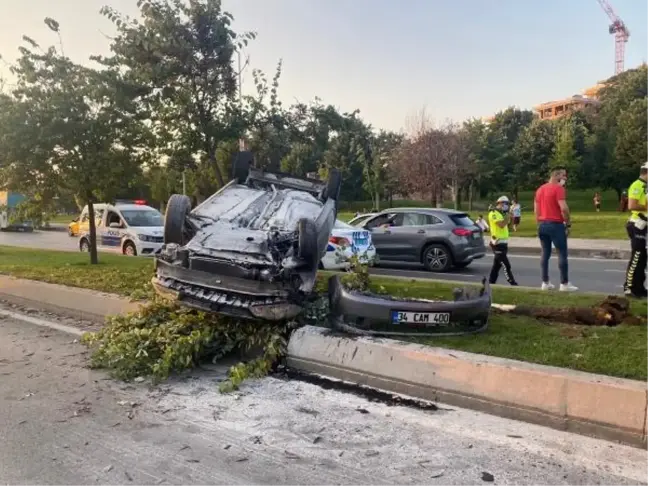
(437,258)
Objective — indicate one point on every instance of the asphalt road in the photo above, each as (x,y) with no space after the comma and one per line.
(63,423)
(589,274)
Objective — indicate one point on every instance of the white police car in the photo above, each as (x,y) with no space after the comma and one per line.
(128,228)
(346,241)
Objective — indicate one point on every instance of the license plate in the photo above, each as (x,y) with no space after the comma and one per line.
(421,318)
(476,236)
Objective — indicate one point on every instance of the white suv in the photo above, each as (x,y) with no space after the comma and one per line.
(130,229)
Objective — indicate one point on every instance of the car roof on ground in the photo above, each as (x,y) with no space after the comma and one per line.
(423,210)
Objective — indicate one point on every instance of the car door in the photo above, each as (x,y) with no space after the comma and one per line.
(381,228)
(111,237)
(410,235)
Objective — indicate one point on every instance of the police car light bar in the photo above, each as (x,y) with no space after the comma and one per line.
(139,202)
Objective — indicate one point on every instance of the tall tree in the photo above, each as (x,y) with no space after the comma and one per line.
(182,54)
(631,150)
(69,128)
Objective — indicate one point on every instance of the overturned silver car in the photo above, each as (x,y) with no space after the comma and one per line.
(253,248)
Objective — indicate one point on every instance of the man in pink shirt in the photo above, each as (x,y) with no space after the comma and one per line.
(554,223)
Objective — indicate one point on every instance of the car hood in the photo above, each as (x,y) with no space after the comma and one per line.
(148,230)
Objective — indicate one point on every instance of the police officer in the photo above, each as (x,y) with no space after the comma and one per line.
(498,219)
(637,226)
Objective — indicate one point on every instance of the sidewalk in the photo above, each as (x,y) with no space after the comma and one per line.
(610,249)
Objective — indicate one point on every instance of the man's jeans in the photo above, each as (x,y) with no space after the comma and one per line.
(553,233)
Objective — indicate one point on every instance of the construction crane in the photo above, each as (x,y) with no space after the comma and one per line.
(621,34)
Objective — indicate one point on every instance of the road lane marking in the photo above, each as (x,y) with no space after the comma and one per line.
(42,322)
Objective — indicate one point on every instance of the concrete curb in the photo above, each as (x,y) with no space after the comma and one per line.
(576,252)
(589,404)
(76,302)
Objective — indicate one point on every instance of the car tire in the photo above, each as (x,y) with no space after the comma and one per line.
(437,258)
(241,166)
(175,219)
(84,245)
(307,248)
(333,185)
(462,264)
(129,249)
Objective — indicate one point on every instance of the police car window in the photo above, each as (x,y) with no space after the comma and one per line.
(113,218)
(143,217)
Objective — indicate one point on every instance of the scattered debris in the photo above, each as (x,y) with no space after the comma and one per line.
(107,469)
(513,436)
(193,460)
(139,379)
(371,453)
(488,477)
(291,455)
(437,474)
(22,422)
(307,410)
(317,440)
(128,476)
(184,448)
(242,459)
(362,410)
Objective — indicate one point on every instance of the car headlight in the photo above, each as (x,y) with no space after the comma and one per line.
(145,238)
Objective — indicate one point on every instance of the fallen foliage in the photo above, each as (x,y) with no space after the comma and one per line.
(162,338)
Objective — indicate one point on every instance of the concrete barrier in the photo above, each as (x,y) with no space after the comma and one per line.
(82,303)
(596,405)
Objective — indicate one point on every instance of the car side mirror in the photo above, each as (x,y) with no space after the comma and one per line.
(115,225)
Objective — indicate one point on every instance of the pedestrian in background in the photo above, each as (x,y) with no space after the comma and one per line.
(554,223)
(597,202)
(516,209)
(481,222)
(499,219)
(637,227)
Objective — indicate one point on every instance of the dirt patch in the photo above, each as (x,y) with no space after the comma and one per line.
(612,311)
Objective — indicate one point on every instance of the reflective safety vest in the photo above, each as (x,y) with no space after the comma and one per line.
(497,233)
(637,192)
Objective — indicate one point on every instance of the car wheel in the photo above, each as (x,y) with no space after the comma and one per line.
(129,249)
(437,258)
(84,245)
(307,242)
(175,219)
(333,185)
(241,166)
(462,264)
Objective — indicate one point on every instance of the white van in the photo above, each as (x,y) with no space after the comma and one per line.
(130,229)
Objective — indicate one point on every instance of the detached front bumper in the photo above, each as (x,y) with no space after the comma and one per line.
(368,313)
(249,299)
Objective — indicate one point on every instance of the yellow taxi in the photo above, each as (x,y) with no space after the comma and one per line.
(73,227)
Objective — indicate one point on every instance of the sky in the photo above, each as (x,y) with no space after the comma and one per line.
(458,59)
